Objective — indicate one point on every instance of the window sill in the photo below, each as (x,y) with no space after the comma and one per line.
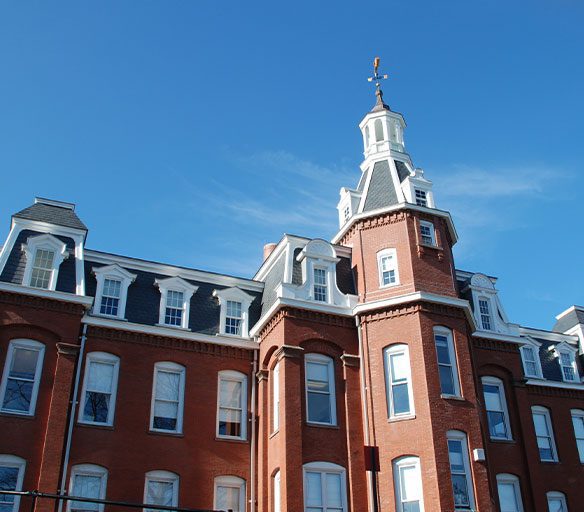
(165,433)
(236,336)
(110,317)
(322,425)
(549,461)
(231,439)
(390,285)
(15,414)
(453,397)
(396,419)
(501,441)
(101,426)
(176,327)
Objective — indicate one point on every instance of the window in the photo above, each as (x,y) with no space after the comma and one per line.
(87,481)
(556,502)
(544,433)
(320,390)
(44,255)
(233,316)
(98,396)
(320,285)
(420,196)
(346,213)
(460,470)
(167,397)
(578,422)
(276,398)
(568,364)
(229,493)
(11,476)
(496,407)
(427,233)
(485,311)
(232,405)
(161,488)
(447,369)
(530,359)
(379,137)
(277,492)
(324,487)
(408,485)
(112,290)
(175,300)
(509,493)
(399,381)
(387,264)
(22,376)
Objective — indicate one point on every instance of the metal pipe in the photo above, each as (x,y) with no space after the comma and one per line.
(252,458)
(72,413)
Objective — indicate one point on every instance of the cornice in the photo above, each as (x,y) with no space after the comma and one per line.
(551,388)
(494,344)
(45,302)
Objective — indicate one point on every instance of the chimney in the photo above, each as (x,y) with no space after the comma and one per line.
(268,249)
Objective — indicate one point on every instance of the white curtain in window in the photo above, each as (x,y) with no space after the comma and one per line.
(333,492)
(86,486)
(313,490)
(508,498)
(228,498)
(230,392)
(160,493)
(101,376)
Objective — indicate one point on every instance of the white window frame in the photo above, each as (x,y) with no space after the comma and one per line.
(324,468)
(557,496)
(508,479)
(103,358)
(498,383)
(324,286)
(49,243)
(277,491)
(417,201)
(233,376)
(392,254)
(535,348)
(170,367)
(398,465)
(488,315)
(88,470)
(24,344)
(234,294)
(276,398)
(459,436)
(322,359)
(568,350)
(114,273)
(447,333)
(165,477)
(393,350)
(544,411)
(578,416)
(176,284)
(430,226)
(233,482)
(12,461)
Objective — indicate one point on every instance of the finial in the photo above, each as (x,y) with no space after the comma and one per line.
(377,77)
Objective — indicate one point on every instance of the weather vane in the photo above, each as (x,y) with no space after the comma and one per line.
(377,77)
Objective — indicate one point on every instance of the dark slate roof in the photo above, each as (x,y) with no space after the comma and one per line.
(568,321)
(297,268)
(402,170)
(13,271)
(274,277)
(52,214)
(345,277)
(381,192)
(550,365)
(361,184)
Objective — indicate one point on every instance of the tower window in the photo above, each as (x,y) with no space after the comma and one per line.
(320,390)
(399,381)
(420,196)
(388,271)
(379,131)
(427,233)
(568,364)
(320,285)
(42,269)
(44,255)
(346,213)
(449,384)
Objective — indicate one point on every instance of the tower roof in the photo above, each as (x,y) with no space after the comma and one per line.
(53,212)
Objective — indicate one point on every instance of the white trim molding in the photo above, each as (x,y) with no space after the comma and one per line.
(175,299)
(315,479)
(238,323)
(407,481)
(509,501)
(87,302)
(321,388)
(12,462)
(231,409)
(229,482)
(164,478)
(51,245)
(87,471)
(117,274)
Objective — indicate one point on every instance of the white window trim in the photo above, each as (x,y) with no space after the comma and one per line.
(491,316)
(556,495)
(544,411)
(380,255)
(47,242)
(398,464)
(443,331)
(234,482)
(28,345)
(230,375)
(325,468)
(116,273)
(106,358)
(506,478)
(277,492)
(167,366)
(535,347)
(322,359)
(161,476)
(457,435)
(234,294)
(276,398)
(565,348)
(494,381)
(432,229)
(578,413)
(178,285)
(88,470)
(398,348)
(12,461)
(326,286)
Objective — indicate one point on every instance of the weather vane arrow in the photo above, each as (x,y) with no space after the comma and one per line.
(377,78)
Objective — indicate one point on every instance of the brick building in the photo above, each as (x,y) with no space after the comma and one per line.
(362,374)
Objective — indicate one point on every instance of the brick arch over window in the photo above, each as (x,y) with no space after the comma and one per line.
(32,332)
(322,346)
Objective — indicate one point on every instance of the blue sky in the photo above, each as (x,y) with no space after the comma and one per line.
(193,132)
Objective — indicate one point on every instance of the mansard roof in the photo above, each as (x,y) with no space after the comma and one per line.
(381,192)
(569,318)
(52,212)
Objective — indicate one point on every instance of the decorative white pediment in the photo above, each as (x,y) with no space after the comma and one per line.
(49,243)
(114,271)
(239,325)
(176,283)
(318,249)
(481,281)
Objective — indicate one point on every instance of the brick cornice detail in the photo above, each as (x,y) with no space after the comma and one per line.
(488,344)
(555,392)
(288,351)
(29,301)
(262,375)
(373,222)
(410,309)
(200,347)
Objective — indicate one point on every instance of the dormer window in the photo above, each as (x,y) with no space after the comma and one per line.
(427,233)
(530,359)
(346,213)
(320,285)
(44,255)
(175,300)
(112,290)
(234,314)
(567,359)
(420,196)
(388,271)
(485,311)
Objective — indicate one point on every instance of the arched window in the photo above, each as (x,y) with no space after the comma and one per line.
(276,398)
(379,137)
(556,501)
(324,487)
(11,476)
(460,470)
(408,485)
(87,481)
(496,407)
(400,401)
(320,389)
(229,493)
(232,405)
(168,390)
(277,492)
(367,136)
(100,383)
(509,493)
(161,488)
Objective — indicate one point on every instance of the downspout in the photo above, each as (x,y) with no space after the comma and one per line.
(72,414)
(252,457)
